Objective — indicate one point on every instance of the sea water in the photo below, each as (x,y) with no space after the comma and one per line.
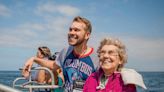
(154,81)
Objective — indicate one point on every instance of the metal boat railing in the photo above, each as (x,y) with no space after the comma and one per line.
(5,88)
(31,85)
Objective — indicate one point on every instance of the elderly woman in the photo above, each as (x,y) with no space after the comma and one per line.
(109,78)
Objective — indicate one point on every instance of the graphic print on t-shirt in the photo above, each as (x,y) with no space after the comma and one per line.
(76,69)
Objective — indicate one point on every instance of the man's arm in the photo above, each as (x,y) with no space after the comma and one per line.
(46,63)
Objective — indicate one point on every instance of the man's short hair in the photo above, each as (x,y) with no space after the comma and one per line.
(85,21)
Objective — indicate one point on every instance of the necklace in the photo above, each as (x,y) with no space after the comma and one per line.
(103,81)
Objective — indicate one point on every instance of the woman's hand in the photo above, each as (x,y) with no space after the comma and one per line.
(27,67)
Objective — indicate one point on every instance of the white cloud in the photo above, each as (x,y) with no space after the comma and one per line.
(29,35)
(52,8)
(18,37)
(4,11)
(68,10)
(9,40)
(33,26)
(146,49)
(52,31)
(48,7)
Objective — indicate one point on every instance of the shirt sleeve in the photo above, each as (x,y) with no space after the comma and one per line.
(62,55)
(60,58)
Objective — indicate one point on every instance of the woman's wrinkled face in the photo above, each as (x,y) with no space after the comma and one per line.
(109,58)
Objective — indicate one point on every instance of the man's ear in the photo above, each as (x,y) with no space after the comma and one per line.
(120,62)
(87,35)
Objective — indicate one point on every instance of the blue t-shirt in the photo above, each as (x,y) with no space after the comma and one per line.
(75,68)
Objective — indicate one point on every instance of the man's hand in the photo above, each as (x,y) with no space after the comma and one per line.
(27,67)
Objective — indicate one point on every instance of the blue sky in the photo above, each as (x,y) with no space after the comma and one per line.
(27,24)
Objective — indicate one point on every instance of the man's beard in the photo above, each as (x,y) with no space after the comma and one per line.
(78,41)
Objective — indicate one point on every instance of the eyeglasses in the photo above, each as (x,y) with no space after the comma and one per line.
(110,53)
